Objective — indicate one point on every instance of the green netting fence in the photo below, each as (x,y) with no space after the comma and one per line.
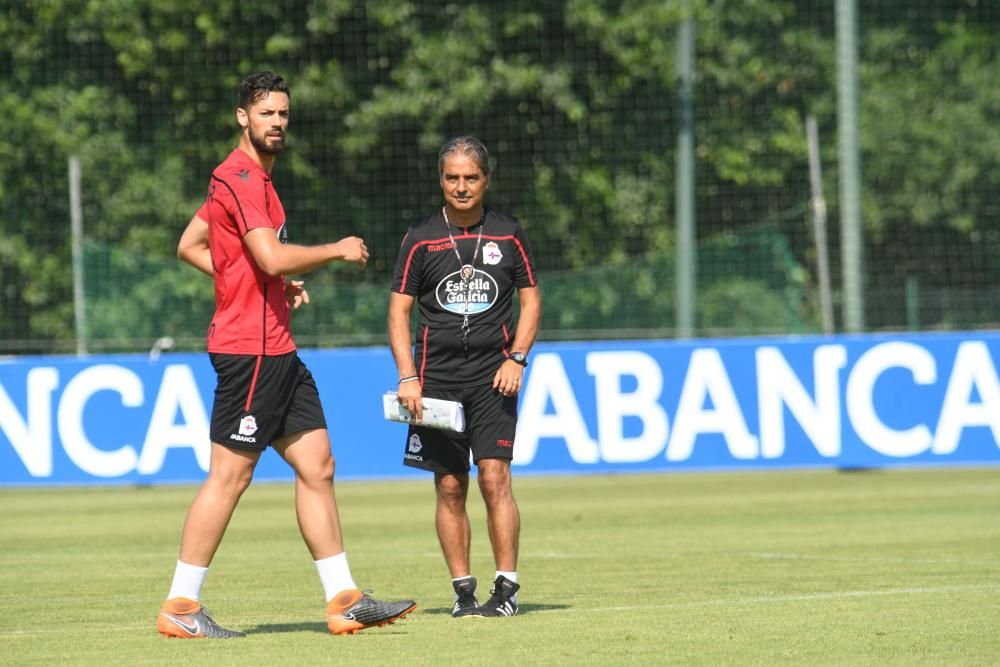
(578,102)
(134,301)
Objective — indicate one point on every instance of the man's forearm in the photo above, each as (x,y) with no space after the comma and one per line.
(200,259)
(399,341)
(528,321)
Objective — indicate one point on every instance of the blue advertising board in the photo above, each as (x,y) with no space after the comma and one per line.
(620,406)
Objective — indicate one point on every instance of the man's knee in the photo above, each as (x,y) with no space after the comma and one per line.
(452,489)
(232,480)
(231,469)
(319,474)
(495,480)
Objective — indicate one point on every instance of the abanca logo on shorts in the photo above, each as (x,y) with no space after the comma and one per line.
(248,426)
(412,447)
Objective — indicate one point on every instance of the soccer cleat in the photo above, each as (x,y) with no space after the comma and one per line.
(502,601)
(186,619)
(351,611)
(465,600)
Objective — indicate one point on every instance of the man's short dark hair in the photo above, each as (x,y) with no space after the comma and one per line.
(255,87)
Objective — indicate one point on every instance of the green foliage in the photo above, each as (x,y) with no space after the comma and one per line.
(576,99)
(133,301)
(744,306)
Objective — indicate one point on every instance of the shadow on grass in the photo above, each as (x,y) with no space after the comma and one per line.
(321,628)
(271,628)
(522,609)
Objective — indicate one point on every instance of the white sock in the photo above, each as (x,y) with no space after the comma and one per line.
(335,574)
(512,576)
(507,575)
(188,580)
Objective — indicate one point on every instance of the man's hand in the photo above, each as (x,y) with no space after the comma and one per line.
(508,378)
(353,249)
(410,396)
(295,294)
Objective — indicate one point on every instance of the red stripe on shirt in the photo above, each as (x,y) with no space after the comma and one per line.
(239,206)
(423,362)
(527,264)
(488,237)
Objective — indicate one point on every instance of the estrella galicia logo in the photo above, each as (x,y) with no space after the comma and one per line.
(481,293)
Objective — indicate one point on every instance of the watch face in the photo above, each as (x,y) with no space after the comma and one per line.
(518,357)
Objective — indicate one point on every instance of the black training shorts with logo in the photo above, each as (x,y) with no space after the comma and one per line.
(490,423)
(260,399)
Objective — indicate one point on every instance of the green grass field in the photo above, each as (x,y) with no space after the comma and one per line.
(896,567)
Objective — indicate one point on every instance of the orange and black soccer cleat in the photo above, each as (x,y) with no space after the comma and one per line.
(184,618)
(351,611)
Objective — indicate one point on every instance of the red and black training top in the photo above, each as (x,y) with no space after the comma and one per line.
(428,270)
(251,314)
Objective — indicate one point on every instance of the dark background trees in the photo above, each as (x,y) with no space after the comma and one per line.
(575,98)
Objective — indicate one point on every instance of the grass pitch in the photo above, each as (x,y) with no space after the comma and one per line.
(897,567)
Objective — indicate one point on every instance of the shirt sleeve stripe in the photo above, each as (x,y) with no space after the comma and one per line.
(246,228)
(406,269)
(409,259)
(423,362)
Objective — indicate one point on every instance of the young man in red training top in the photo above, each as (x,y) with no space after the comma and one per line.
(265,394)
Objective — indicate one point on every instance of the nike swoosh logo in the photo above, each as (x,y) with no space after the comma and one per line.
(192,629)
(349,616)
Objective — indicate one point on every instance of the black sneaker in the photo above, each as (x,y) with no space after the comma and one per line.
(465,602)
(501,602)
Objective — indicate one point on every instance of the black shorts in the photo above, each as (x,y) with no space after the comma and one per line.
(490,423)
(261,399)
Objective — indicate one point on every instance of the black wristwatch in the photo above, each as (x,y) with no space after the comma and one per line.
(519,358)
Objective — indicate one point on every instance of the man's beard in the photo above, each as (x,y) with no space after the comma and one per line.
(260,143)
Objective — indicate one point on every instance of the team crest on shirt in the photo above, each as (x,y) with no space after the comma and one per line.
(491,253)
(480,292)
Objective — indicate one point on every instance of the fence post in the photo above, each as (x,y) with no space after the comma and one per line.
(851,239)
(684,195)
(76,233)
(819,224)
